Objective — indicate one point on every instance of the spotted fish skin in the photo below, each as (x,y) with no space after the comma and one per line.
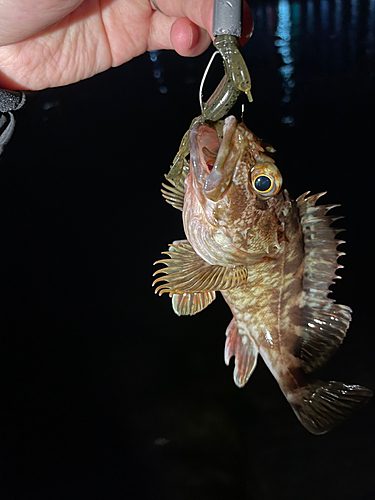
(272,258)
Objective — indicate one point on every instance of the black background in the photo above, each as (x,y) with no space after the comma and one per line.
(106,393)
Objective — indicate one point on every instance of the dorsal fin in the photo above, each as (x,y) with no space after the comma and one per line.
(324,323)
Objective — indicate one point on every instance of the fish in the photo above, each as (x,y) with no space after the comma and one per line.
(272,258)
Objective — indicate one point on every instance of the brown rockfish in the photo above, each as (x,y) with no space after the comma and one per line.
(272,258)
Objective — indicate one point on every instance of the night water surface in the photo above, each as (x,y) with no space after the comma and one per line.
(107,393)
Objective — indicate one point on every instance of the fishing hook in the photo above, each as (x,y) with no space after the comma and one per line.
(227,28)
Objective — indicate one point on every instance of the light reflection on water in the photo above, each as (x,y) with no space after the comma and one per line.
(346,29)
(338,17)
(371,24)
(158,70)
(353,30)
(324,14)
(284,48)
(310,16)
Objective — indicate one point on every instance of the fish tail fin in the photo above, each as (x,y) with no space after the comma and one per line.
(320,406)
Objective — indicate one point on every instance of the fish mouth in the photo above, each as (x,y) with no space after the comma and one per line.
(213,159)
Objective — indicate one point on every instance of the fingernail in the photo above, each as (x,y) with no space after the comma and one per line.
(194,36)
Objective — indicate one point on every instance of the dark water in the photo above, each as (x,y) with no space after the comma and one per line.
(106,393)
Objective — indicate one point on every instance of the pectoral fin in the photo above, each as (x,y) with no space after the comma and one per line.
(188,304)
(175,194)
(245,352)
(186,272)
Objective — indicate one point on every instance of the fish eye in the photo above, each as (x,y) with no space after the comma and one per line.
(266,180)
(263,183)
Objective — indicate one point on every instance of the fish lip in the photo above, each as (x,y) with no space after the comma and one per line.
(200,167)
(213,180)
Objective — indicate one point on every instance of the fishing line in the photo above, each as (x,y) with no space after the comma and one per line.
(204,78)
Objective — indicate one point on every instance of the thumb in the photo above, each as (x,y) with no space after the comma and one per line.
(199,12)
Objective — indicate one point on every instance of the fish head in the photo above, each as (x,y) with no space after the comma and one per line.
(234,205)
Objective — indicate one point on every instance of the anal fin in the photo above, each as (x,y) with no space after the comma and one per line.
(188,304)
(243,348)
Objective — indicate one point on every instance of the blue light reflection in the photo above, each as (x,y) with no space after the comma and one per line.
(283,44)
(338,17)
(158,70)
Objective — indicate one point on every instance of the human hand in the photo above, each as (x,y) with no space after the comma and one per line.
(48,43)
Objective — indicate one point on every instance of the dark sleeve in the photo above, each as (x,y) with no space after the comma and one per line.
(9,101)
